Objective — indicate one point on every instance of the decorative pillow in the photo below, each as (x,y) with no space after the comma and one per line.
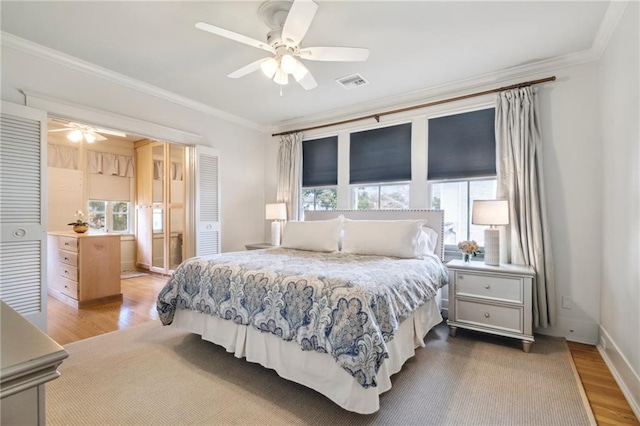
(428,241)
(396,238)
(314,235)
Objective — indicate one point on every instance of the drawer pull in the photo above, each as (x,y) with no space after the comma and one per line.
(487,286)
(67,287)
(66,258)
(486,315)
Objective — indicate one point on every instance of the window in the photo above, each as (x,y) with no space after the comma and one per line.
(109,216)
(374,197)
(462,168)
(456,199)
(382,159)
(320,174)
(319,199)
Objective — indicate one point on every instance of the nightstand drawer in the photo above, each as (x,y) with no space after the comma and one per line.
(488,286)
(501,317)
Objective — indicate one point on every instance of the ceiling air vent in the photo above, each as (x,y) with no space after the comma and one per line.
(351,81)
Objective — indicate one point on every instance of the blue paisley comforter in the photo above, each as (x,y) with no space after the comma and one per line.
(343,304)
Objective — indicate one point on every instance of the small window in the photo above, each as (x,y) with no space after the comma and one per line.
(109,216)
(456,199)
(319,199)
(381,197)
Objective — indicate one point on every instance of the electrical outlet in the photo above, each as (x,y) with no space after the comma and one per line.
(567,303)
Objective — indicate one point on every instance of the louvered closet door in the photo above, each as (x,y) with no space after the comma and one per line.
(207,192)
(22,211)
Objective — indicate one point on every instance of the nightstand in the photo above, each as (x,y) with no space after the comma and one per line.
(491,299)
(258,246)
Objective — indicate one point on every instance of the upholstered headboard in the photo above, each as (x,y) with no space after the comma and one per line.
(434,218)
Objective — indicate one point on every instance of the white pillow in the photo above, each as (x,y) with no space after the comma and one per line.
(428,241)
(397,238)
(314,235)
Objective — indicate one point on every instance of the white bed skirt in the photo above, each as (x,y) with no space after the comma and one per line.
(315,370)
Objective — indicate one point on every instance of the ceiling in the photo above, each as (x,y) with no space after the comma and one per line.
(413,45)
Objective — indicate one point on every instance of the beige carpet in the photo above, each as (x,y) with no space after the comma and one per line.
(150,374)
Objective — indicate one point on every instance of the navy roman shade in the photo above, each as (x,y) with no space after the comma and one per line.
(462,146)
(320,162)
(381,155)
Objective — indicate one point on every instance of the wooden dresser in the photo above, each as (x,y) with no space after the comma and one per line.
(84,269)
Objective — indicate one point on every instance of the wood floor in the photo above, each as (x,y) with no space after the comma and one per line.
(67,324)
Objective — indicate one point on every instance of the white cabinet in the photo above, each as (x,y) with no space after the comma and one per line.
(28,359)
(491,299)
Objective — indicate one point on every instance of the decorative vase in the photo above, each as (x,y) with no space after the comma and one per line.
(80,229)
(466,257)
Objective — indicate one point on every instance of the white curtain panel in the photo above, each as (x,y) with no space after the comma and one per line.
(290,173)
(520,180)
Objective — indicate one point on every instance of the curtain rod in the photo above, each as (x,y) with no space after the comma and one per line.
(428,104)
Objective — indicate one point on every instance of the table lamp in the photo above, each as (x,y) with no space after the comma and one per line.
(275,212)
(492,213)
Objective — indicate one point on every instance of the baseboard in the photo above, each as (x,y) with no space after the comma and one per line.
(572,330)
(621,370)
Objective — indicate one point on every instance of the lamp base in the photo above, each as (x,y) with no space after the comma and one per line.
(492,246)
(275,233)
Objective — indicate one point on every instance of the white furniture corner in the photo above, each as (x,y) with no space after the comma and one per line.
(491,299)
(28,358)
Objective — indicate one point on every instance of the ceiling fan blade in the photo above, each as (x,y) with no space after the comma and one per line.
(59,130)
(298,21)
(248,69)
(304,77)
(112,132)
(347,54)
(234,36)
(98,137)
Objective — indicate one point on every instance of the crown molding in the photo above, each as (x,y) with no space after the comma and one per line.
(17,43)
(608,25)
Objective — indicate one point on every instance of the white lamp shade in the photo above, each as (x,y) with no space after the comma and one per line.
(490,212)
(277,211)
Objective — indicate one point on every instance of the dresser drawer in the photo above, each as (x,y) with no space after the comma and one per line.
(69,272)
(68,287)
(489,287)
(68,243)
(501,317)
(68,257)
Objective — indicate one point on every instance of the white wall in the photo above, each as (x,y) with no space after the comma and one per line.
(241,148)
(569,121)
(620,142)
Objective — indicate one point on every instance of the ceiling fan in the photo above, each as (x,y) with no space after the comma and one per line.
(289,23)
(78,131)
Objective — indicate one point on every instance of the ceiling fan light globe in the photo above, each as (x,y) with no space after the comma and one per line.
(281,77)
(288,64)
(300,71)
(89,138)
(75,136)
(269,67)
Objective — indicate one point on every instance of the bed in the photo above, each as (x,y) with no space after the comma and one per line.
(337,308)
